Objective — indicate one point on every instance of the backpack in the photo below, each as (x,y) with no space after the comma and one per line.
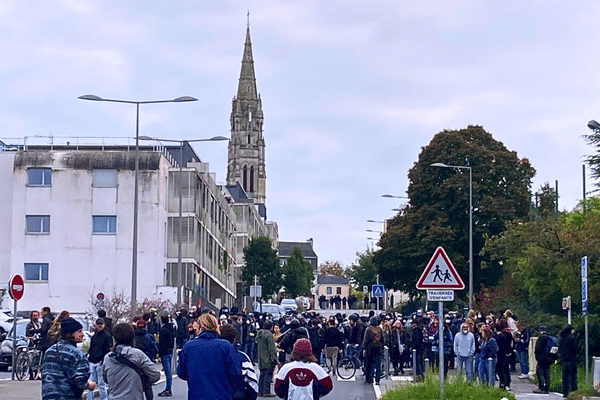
(376,337)
(552,347)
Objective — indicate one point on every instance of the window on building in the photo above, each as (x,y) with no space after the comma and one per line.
(104,178)
(36,272)
(37,224)
(329,290)
(245,179)
(39,177)
(252,178)
(338,290)
(104,224)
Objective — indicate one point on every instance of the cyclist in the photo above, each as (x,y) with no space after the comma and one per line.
(357,333)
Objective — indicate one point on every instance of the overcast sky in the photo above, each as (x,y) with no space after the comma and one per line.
(351,90)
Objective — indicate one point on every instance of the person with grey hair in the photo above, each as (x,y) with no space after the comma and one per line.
(464,348)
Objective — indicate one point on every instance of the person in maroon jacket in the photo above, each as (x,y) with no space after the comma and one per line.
(302,378)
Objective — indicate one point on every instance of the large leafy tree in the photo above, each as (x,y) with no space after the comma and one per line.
(297,274)
(438,209)
(363,272)
(261,260)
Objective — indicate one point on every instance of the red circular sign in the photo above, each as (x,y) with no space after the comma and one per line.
(16,286)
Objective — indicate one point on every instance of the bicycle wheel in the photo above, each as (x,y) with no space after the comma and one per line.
(22,365)
(346,368)
(36,365)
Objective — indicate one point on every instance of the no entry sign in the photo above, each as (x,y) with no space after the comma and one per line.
(16,287)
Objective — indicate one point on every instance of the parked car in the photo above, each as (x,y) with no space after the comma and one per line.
(275,310)
(289,304)
(6,321)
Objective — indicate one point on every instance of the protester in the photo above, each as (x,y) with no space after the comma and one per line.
(34,326)
(287,340)
(54,331)
(208,364)
(522,349)
(100,345)
(332,338)
(145,341)
(372,346)
(489,349)
(464,348)
(245,386)
(568,352)
(127,371)
(267,358)
(302,378)
(65,370)
(108,322)
(399,346)
(166,342)
(416,344)
(544,361)
(505,342)
(47,318)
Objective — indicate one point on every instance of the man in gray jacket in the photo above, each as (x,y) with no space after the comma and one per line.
(123,368)
(464,348)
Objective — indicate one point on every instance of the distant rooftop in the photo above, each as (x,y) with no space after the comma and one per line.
(332,280)
(285,249)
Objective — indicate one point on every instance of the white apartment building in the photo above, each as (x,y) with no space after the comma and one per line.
(67,225)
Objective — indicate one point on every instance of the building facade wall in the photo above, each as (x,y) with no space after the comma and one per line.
(6,177)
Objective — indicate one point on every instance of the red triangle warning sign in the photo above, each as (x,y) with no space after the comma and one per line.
(440,273)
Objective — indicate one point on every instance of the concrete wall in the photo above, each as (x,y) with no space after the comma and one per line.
(6,177)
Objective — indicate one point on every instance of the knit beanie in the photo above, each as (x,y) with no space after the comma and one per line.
(302,347)
(69,325)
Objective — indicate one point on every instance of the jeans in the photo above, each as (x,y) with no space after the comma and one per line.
(466,364)
(569,377)
(373,360)
(96,376)
(166,364)
(249,349)
(487,375)
(264,381)
(523,361)
(543,375)
(354,353)
(503,370)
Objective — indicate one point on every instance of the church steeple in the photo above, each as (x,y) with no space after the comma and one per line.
(247,83)
(246,163)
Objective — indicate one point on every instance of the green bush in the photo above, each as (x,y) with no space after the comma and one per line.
(454,389)
(556,379)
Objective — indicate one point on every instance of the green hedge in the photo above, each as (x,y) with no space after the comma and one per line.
(453,390)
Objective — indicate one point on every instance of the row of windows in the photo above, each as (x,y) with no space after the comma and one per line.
(101,224)
(338,290)
(101,178)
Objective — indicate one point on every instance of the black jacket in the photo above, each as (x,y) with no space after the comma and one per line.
(46,324)
(333,337)
(100,345)
(166,339)
(567,347)
(287,340)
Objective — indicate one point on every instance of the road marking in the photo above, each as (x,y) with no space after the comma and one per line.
(377,391)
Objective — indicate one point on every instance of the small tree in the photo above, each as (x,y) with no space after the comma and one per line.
(363,272)
(116,305)
(261,261)
(298,275)
(330,267)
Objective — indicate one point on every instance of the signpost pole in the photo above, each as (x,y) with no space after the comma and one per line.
(377,297)
(16,287)
(441,346)
(584,311)
(14,356)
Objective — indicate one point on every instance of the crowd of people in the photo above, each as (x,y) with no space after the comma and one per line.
(217,353)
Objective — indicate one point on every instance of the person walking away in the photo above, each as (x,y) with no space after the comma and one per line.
(100,345)
(568,352)
(302,378)
(145,341)
(372,346)
(416,344)
(287,340)
(127,371)
(504,339)
(544,359)
(488,349)
(333,345)
(315,335)
(47,318)
(267,358)
(208,364)
(464,348)
(65,370)
(245,386)
(166,342)
(522,349)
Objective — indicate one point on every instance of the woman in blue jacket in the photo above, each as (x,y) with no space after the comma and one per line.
(489,349)
(209,364)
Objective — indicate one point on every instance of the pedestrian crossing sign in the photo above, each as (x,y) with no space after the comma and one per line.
(377,291)
(440,273)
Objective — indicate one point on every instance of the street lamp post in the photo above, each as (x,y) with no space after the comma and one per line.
(182,99)
(442,165)
(180,235)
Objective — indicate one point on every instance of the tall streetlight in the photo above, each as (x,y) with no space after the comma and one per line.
(391,196)
(181,162)
(377,222)
(372,231)
(182,99)
(442,165)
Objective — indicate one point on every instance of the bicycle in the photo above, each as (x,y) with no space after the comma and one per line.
(347,366)
(28,362)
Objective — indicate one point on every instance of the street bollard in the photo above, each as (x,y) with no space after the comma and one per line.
(427,364)
(490,372)
(386,361)
(414,364)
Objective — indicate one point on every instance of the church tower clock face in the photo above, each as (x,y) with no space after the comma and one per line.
(246,155)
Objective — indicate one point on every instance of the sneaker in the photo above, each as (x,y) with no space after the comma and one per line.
(165,393)
(522,376)
(539,391)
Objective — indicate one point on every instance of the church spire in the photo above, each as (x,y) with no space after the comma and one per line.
(247,83)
